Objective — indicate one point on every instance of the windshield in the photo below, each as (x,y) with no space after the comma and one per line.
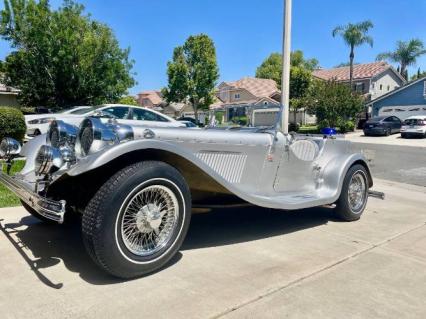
(414,122)
(78,110)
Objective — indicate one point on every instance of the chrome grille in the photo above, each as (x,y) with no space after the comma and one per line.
(229,165)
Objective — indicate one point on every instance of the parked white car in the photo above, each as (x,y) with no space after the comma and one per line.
(125,114)
(414,126)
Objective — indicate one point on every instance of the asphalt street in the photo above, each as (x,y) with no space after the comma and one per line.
(406,164)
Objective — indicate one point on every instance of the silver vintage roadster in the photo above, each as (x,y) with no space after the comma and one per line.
(135,187)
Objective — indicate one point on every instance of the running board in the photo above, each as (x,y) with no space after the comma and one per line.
(376,194)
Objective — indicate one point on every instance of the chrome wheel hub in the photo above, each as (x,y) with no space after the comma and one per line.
(149,220)
(357,192)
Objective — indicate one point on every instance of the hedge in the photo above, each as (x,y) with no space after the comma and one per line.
(12,123)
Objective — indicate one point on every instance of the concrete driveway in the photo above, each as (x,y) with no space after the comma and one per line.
(236,263)
(394,139)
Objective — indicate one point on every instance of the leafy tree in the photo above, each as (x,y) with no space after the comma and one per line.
(300,80)
(128,100)
(343,64)
(418,75)
(300,75)
(192,73)
(406,54)
(354,35)
(62,57)
(333,103)
(297,59)
(271,67)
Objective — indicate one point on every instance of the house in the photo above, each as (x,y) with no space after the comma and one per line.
(370,79)
(150,99)
(8,96)
(238,98)
(154,100)
(403,102)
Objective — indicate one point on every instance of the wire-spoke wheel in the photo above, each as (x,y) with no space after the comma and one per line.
(356,191)
(138,219)
(149,219)
(354,195)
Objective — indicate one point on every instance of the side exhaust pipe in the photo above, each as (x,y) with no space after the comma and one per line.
(376,194)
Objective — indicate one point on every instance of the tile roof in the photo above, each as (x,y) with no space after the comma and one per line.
(361,71)
(257,87)
(154,96)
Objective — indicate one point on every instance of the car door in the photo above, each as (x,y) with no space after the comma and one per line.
(388,123)
(396,124)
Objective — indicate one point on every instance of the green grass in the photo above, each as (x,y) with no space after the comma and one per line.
(7,198)
(309,129)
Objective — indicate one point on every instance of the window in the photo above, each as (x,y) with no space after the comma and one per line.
(82,111)
(424,89)
(144,115)
(145,101)
(416,109)
(387,110)
(399,110)
(372,85)
(237,96)
(388,87)
(119,112)
(381,87)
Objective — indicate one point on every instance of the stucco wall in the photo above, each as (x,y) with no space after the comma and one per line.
(388,81)
(8,100)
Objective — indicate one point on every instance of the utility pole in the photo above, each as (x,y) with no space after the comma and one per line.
(285,79)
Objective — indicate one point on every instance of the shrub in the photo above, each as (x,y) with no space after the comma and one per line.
(293,127)
(12,123)
(347,126)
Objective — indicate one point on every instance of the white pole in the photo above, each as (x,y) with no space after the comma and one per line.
(285,79)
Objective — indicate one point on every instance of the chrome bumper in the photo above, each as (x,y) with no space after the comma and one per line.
(50,209)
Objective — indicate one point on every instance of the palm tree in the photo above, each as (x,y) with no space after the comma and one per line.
(354,35)
(406,54)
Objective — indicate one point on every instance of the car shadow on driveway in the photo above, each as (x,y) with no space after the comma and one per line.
(51,244)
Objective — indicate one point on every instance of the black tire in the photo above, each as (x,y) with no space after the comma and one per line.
(102,219)
(37,215)
(403,135)
(388,132)
(343,208)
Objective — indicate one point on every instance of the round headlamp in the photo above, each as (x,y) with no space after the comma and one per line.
(48,160)
(94,135)
(61,134)
(9,148)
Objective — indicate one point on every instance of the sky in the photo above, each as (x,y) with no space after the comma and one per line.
(246,32)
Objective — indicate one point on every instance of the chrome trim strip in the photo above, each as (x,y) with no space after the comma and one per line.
(53,210)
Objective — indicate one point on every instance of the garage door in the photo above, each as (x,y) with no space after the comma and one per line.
(403,112)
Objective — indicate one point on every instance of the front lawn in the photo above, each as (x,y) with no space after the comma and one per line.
(7,199)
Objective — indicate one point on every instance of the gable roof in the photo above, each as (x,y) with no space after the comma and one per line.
(256,87)
(154,96)
(360,71)
(397,90)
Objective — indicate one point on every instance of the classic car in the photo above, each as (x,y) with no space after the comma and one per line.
(135,186)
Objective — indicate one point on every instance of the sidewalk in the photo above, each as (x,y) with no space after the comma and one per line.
(236,263)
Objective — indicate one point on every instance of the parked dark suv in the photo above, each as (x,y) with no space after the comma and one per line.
(382,125)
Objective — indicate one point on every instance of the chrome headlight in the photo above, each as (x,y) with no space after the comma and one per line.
(48,160)
(61,134)
(9,148)
(93,136)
